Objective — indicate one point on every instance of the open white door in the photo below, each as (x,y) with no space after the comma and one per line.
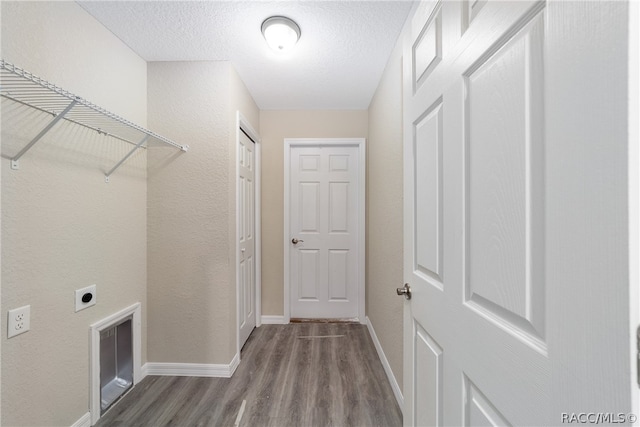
(516,236)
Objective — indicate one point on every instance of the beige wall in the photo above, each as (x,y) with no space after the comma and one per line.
(274,127)
(384,212)
(63,227)
(191,202)
(164,225)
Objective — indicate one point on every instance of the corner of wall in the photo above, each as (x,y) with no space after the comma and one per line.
(192,214)
(384,215)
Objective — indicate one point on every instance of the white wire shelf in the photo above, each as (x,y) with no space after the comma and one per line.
(25,88)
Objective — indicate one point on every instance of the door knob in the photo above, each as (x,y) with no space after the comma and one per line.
(405,290)
(296,241)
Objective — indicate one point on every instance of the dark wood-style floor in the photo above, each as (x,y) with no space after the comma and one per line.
(306,374)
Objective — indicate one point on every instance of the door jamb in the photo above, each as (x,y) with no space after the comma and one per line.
(361,144)
(242,124)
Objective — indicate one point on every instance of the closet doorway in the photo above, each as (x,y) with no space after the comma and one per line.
(247,230)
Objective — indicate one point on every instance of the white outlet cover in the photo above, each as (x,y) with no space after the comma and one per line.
(19,321)
(80,292)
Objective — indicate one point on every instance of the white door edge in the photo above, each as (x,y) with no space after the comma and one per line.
(361,144)
(634,193)
(242,124)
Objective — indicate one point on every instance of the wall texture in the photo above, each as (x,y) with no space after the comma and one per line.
(275,126)
(165,224)
(384,212)
(191,202)
(63,227)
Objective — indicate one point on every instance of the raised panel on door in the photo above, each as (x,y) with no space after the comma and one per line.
(427,49)
(471,9)
(249,157)
(249,298)
(339,274)
(309,271)
(505,176)
(309,207)
(242,280)
(428,385)
(309,163)
(250,208)
(479,411)
(427,148)
(242,208)
(339,207)
(339,162)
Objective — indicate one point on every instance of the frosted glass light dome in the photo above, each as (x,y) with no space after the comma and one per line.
(281,33)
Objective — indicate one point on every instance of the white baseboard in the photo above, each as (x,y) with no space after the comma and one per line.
(385,364)
(143,371)
(192,369)
(235,362)
(272,320)
(84,421)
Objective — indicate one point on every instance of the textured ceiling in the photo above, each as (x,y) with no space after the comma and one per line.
(337,63)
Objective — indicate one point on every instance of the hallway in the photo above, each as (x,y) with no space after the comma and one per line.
(313,374)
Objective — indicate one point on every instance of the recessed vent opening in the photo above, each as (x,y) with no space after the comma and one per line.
(116,349)
(116,362)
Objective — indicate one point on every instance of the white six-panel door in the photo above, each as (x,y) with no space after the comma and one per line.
(515,213)
(246,234)
(325,277)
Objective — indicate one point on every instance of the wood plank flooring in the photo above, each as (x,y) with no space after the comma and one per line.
(305,374)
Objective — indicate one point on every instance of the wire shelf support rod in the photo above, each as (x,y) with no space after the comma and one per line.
(14,161)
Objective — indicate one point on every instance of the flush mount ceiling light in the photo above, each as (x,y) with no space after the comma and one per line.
(281,33)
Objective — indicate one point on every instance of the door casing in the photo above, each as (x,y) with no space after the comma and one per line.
(301,142)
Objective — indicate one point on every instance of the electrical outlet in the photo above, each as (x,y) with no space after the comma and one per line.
(19,321)
(85,297)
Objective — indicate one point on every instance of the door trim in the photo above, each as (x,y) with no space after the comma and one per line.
(242,124)
(340,142)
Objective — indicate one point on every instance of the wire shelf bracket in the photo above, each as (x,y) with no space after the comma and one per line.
(25,88)
(107,176)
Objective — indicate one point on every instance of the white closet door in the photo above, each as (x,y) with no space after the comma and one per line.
(247,226)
